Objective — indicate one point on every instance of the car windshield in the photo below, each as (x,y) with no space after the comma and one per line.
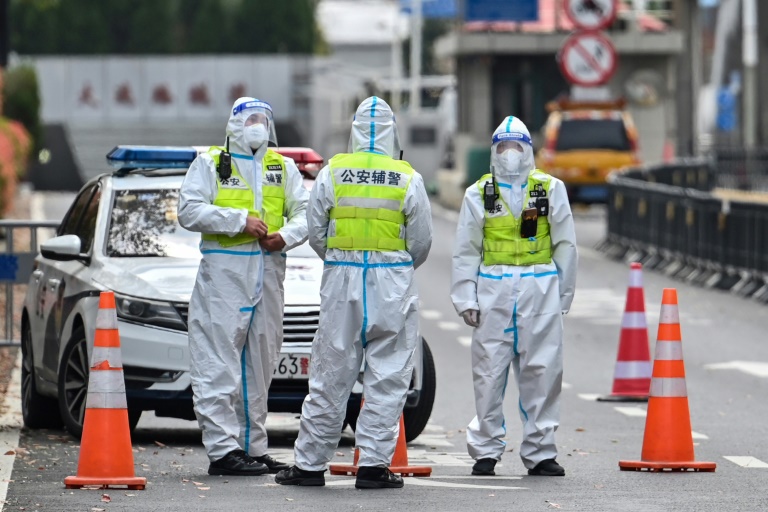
(144,224)
(592,134)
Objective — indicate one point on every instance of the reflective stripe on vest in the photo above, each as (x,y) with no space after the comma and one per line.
(502,244)
(369,191)
(235,192)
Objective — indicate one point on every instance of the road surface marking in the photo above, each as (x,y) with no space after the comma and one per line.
(424,482)
(746,462)
(448,326)
(465,340)
(430,314)
(590,397)
(567,385)
(427,482)
(755,368)
(699,435)
(10,424)
(632,411)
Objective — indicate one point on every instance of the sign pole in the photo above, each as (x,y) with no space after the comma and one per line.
(415,89)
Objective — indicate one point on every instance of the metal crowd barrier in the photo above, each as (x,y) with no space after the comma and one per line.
(667,218)
(16,265)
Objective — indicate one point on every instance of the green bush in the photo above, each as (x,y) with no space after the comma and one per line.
(21,100)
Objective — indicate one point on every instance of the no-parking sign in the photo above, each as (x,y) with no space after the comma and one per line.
(591,14)
(587,59)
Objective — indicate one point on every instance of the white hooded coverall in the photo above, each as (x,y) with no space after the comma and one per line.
(521,310)
(369,310)
(231,350)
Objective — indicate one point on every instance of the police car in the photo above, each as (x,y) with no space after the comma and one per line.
(121,234)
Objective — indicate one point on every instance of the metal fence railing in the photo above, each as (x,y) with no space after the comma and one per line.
(668,218)
(741,169)
(18,250)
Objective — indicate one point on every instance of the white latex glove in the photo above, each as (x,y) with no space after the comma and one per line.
(471,317)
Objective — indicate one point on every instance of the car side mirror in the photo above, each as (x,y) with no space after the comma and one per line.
(63,248)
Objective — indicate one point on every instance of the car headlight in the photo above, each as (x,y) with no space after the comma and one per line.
(161,314)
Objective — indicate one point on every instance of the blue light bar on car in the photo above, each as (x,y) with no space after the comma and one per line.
(151,157)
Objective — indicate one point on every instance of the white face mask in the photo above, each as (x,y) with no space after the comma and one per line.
(511,162)
(255,135)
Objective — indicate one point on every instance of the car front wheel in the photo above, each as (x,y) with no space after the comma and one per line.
(414,418)
(74,370)
(37,411)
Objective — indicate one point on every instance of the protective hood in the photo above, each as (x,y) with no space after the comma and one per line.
(374,129)
(511,166)
(242,109)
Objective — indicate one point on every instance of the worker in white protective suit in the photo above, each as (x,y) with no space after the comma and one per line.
(230,195)
(514,275)
(369,218)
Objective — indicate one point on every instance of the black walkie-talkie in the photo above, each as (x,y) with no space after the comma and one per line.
(489,193)
(225,163)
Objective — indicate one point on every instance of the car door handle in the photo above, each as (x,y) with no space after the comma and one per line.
(53,285)
(36,275)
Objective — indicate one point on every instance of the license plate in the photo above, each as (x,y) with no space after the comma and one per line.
(292,366)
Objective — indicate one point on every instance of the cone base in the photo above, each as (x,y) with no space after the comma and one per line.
(623,398)
(629,465)
(351,470)
(132,483)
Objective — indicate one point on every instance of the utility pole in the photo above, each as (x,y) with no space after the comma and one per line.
(749,59)
(397,63)
(415,89)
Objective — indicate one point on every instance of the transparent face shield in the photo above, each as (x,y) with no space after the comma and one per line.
(258,112)
(508,145)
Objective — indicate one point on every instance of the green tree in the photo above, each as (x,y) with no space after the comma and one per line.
(163,26)
(21,100)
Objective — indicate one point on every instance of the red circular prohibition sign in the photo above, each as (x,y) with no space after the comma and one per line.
(587,59)
(594,14)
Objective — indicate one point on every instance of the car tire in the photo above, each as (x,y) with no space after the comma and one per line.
(74,369)
(73,373)
(37,411)
(414,419)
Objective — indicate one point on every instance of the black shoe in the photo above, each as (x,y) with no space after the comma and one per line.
(297,476)
(484,467)
(548,467)
(376,477)
(273,465)
(237,462)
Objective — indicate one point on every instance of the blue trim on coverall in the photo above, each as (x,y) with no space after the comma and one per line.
(231,253)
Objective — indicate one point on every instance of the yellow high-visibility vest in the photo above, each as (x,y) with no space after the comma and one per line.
(234,192)
(502,243)
(369,191)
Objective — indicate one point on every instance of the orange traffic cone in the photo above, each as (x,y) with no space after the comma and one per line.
(106,456)
(399,463)
(668,441)
(632,375)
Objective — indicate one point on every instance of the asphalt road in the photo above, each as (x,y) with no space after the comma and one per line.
(726,360)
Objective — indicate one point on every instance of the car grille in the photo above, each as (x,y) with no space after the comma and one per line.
(300,324)
(182,308)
